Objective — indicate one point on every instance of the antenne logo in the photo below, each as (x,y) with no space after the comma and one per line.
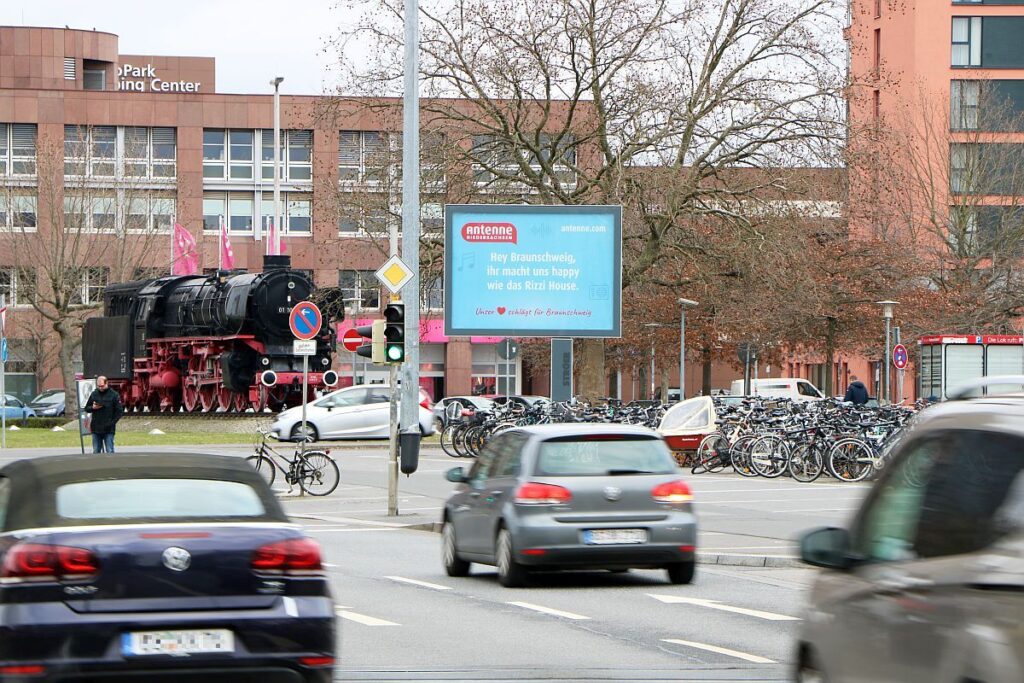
(489,232)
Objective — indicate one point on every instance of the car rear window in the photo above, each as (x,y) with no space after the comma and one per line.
(157,499)
(601,455)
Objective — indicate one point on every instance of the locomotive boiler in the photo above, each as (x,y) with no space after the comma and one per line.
(206,342)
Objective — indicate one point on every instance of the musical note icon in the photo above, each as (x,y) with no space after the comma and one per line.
(468,261)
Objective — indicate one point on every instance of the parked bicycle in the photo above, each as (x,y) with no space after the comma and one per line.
(314,471)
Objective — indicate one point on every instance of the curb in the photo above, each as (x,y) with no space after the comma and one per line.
(725,559)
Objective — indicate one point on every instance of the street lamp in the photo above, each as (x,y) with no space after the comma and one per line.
(887,309)
(683,304)
(653,369)
(277,154)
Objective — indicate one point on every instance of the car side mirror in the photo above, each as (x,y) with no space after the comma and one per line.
(827,547)
(456,475)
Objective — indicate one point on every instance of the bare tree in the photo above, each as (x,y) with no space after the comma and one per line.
(101,218)
(561,102)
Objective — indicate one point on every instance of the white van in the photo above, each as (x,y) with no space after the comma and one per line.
(780,387)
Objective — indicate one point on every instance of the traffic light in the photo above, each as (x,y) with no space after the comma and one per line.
(375,349)
(394,333)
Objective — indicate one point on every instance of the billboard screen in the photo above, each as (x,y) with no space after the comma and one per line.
(533,271)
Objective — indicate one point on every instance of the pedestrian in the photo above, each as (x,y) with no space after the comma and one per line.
(105,406)
(856,392)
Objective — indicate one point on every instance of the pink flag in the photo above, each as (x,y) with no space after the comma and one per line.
(272,241)
(227,257)
(184,253)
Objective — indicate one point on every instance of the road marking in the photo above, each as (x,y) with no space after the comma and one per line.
(424,584)
(715,604)
(320,529)
(548,610)
(782,512)
(720,650)
(726,501)
(747,547)
(363,619)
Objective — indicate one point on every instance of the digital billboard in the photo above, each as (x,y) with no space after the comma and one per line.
(533,271)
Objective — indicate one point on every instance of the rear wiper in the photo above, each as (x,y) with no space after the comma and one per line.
(627,471)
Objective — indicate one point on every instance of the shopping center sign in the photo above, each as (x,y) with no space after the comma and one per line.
(135,78)
(533,271)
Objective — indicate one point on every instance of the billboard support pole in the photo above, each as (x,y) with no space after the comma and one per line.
(3,378)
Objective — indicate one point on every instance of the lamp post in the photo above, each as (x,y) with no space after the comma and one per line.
(683,305)
(651,326)
(277,154)
(887,308)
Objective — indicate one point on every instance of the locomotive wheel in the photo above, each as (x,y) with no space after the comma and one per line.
(190,398)
(240,402)
(223,399)
(207,398)
(260,403)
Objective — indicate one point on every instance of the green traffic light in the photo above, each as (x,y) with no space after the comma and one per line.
(396,354)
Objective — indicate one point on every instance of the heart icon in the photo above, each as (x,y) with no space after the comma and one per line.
(501,310)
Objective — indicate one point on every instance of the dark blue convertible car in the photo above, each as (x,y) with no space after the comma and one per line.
(152,567)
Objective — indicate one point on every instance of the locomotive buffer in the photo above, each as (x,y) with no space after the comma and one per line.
(305,322)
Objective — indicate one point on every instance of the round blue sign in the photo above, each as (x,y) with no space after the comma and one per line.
(305,320)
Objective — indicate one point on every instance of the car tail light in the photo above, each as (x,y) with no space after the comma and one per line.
(23,670)
(296,555)
(316,661)
(672,492)
(534,493)
(39,562)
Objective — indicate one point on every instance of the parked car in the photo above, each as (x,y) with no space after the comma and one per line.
(570,496)
(443,411)
(50,403)
(780,387)
(927,583)
(179,565)
(359,412)
(15,409)
(518,400)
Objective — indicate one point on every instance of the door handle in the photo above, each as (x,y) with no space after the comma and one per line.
(497,494)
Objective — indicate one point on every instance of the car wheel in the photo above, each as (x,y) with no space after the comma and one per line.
(311,433)
(511,574)
(808,671)
(453,564)
(681,572)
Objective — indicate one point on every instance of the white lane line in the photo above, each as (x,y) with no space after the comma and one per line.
(316,530)
(747,547)
(424,584)
(727,501)
(721,650)
(715,604)
(363,619)
(782,512)
(548,610)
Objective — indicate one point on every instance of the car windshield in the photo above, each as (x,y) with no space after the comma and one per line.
(49,397)
(157,498)
(604,454)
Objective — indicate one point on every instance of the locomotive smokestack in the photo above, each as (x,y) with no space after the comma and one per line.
(283,261)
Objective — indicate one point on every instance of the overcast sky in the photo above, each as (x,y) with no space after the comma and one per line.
(252,40)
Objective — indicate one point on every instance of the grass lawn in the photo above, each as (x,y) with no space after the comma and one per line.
(42,438)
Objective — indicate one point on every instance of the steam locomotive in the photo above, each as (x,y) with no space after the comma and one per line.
(206,342)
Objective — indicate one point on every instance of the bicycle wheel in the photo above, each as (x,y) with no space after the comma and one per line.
(769,455)
(739,455)
(850,460)
(806,463)
(447,440)
(318,473)
(264,466)
(707,450)
(459,441)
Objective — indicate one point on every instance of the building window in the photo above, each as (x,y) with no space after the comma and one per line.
(356,220)
(17,149)
(69,69)
(18,212)
(240,213)
(362,155)
(963,164)
(876,108)
(240,154)
(432,293)
(296,212)
(878,51)
(966,41)
(296,155)
(91,281)
(491,374)
(496,160)
(214,157)
(94,79)
(432,217)
(18,286)
(964,101)
(234,152)
(360,289)
(138,212)
(150,152)
(235,207)
(90,151)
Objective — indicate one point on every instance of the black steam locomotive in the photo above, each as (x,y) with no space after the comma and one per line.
(206,342)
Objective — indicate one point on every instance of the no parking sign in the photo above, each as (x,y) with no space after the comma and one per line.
(900,357)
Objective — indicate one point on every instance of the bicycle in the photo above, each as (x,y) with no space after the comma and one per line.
(315,471)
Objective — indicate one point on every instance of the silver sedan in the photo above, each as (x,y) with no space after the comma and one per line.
(570,497)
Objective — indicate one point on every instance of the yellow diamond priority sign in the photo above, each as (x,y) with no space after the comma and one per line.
(394,274)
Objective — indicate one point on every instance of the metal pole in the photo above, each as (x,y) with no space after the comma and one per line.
(411,219)
(682,352)
(3,385)
(305,394)
(888,354)
(652,370)
(277,155)
(393,445)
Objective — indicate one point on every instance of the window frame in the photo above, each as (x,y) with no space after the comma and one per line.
(14,292)
(360,291)
(972,44)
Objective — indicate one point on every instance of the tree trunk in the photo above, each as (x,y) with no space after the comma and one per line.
(830,352)
(592,384)
(66,359)
(664,385)
(705,374)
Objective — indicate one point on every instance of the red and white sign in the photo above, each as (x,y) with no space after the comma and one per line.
(999,339)
(490,232)
(352,340)
(305,320)
(900,357)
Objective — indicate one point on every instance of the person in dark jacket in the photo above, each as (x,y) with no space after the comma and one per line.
(105,406)
(856,392)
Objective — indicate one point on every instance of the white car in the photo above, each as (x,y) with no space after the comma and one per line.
(359,412)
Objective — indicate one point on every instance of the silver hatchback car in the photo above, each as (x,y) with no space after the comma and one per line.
(927,585)
(570,497)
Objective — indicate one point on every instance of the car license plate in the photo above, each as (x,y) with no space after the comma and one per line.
(614,536)
(180,643)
